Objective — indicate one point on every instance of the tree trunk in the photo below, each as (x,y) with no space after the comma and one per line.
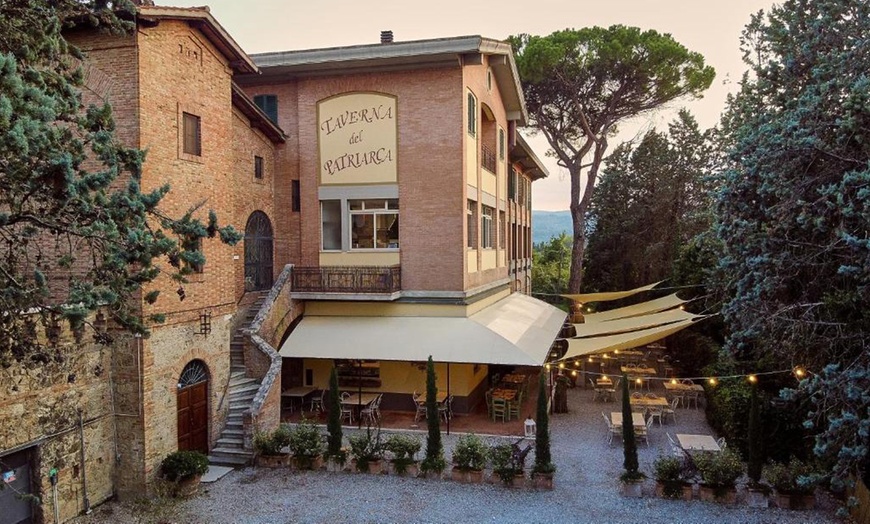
(578,220)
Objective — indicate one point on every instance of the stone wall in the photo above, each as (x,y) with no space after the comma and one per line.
(40,405)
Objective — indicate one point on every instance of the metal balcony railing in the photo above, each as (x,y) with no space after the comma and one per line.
(346,279)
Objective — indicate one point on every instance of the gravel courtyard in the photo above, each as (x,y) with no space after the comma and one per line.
(587,490)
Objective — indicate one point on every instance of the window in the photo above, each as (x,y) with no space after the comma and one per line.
(489,80)
(258,167)
(296,200)
(501,144)
(330,219)
(192,135)
(374,224)
(472,115)
(269,105)
(471,213)
(528,193)
(487,228)
(501,229)
(512,184)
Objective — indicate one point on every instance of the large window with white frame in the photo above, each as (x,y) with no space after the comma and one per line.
(374,223)
(487,228)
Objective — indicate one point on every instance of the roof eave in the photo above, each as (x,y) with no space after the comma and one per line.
(258,119)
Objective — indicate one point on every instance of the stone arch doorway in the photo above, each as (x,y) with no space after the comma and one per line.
(192,404)
(258,252)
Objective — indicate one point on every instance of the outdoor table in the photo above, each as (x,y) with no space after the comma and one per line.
(638,371)
(356,399)
(636,419)
(299,393)
(649,402)
(691,442)
(514,379)
(506,394)
(670,386)
(604,389)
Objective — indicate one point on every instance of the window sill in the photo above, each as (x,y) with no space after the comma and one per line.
(187,157)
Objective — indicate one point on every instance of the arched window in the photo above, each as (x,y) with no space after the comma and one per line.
(258,252)
(193,373)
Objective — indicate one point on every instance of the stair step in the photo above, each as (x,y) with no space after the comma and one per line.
(242,381)
(242,388)
(231,451)
(230,442)
(234,427)
(233,433)
(237,369)
(229,461)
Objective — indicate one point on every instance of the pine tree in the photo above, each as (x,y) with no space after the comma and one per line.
(543,459)
(629,444)
(434,461)
(77,232)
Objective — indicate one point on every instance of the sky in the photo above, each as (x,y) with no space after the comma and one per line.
(709,27)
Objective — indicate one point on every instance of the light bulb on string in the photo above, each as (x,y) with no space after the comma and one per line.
(673,381)
(561,365)
(547,367)
(799,372)
(752,378)
(574,373)
(712,381)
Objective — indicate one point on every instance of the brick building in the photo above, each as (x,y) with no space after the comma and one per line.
(385,196)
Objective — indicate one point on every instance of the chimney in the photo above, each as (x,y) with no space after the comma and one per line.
(386,37)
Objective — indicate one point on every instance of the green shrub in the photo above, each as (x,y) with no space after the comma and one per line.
(366,447)
(672,472)
(470,452)
(272,443)
(502,462)
(304,440)
(183,464)
(719,470)
(404,449)
(796,477)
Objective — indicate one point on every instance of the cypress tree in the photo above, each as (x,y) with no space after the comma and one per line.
(543,459)
(434,461)
(629,445)
(334,422)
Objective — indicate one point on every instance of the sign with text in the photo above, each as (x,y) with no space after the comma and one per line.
(356,136)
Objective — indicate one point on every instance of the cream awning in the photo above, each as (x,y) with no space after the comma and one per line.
(578,347)
(643,308)
(517,330)
(623,325)
(585,298)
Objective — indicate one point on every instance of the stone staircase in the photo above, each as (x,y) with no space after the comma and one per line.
(229,450)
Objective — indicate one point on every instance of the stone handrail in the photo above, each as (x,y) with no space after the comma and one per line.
(264,334)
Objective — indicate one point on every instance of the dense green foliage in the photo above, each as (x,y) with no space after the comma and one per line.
(76,232)
(550,267)
(755,439)
(543,459)
(434,461)
(653,199)
(580,84)
(794,211)
(333,424)
(470,452)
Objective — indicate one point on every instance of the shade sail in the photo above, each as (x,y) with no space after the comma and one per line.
(643,308)
(623,325)
(578,347)
(517,330)
(609,295)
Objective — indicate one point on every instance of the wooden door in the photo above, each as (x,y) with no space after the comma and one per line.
(193,417)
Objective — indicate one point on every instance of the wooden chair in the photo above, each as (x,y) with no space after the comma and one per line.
(488,396)
(499,409)
(346,410)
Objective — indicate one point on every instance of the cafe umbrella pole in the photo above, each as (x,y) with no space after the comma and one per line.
(447,407)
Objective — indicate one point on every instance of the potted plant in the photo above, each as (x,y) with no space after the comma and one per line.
(368,451)
(404,449)
(795,484)
(671,478)
(306,445)
(469,459)
(544,468)
(632,477)
(185,469)
(433,463)
(508,463)
(719,474)
(269,447)
(336,455)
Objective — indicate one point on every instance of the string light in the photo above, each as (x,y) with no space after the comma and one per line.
(799,373)
(574,373)
(752,378)
(547,367)
(561,365)
(712,381)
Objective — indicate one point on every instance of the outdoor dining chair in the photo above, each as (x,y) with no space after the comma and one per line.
(672,409)
(691,397)
(372,413)
(499,409)
(346,410)
(721,442)
(318,402)
(655,412)
(445,409)
(421,406)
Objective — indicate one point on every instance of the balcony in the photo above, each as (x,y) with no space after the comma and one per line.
(487,159)
(354,280)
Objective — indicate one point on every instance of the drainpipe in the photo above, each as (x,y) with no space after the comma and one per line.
(87,502)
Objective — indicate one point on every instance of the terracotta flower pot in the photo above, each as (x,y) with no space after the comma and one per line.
(308,463)
(187,487)
(756,498)
(376,467)
(683,491)
(632,489)
(543,480)
(798,501)
(475,476)
(273,461)
(335,466)
(722,495)
(458,475)
(519,480)
(411,470)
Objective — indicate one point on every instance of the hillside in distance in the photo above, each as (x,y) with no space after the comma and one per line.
(548,224)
